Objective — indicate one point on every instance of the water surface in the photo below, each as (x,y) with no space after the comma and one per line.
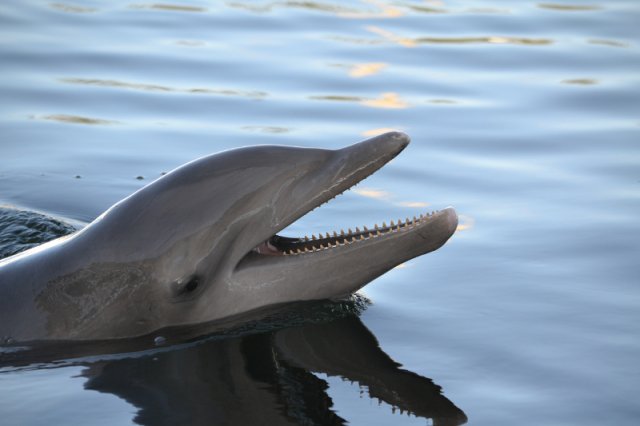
(525,116)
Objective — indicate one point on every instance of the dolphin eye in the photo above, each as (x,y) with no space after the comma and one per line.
(192,284)
(186,287)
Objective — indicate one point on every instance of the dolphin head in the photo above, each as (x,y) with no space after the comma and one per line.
(201,243)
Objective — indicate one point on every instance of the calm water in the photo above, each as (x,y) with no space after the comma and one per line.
(525,116)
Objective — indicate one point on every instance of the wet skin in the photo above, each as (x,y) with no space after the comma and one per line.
(200,244)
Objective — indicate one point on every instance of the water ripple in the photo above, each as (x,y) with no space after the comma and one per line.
(611,43)
(568,7)
(62,7)
(363,69)
(267,129)
(581,81)
(76,119)
(372,10)
(389,100)
(169,7)
(389,36)
(160,88)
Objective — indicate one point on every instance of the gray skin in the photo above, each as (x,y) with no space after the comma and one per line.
(192,247)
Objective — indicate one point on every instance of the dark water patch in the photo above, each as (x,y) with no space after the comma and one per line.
(161,88)
(426,9)
(22,230)
(267,129)
(581,81)
(269,373)
(114,83)
(388,36)
(313,6)
(70,8)
(611,43)
(76,119)
(388,100)
(524,41)
(443,101)
(169,7)
(568,7)
(269,319)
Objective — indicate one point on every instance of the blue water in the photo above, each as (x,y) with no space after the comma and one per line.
(525,116)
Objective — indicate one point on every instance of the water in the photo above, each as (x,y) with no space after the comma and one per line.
(525,116)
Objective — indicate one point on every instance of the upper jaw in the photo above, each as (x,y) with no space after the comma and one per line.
(341,170)
(349,166)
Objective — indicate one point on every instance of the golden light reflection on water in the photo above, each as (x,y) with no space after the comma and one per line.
(388,100)
(159,88)
(568,7)
(367,69)
(378,131)
(382,11)
(75,119)
(360,70)
(413,204)
(72,8)
(392,37)
(403,265)
(376,194)
(387,197)
(465,222)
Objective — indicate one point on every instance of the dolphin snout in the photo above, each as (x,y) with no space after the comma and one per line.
(398,139)
(451,219)
(391,143)
(381,148)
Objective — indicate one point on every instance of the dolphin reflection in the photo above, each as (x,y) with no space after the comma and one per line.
(267,378)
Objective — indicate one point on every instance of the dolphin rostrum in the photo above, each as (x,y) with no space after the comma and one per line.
(200,244)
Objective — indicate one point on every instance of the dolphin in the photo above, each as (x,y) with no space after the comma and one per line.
(201,244)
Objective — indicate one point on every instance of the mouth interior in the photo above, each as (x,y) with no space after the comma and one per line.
(278,245)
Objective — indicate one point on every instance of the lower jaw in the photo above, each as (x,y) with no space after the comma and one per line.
(286,246)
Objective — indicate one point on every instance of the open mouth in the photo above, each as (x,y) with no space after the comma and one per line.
(278,245)
(357,163)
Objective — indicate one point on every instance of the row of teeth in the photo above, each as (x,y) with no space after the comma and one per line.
(350,238)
